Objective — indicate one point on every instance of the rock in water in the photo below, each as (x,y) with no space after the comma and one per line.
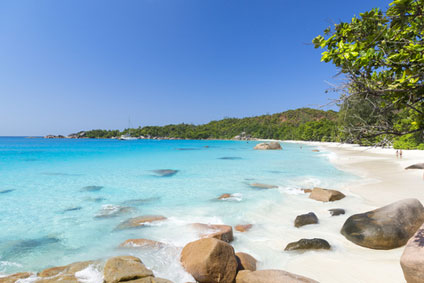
(165,172)
(325,195)
(271,276)
(268,146)
(245,262)
(15,277)
(243,227)
(305,219)
(263,186)
(210,261)
(412,260)
(125,268)
(139,243)
(92,188)
(220,232)
(336,211)
(308,244)
(387,227)
(139,221)
(6,191)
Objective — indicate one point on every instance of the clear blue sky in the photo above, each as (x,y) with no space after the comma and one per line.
(78,64)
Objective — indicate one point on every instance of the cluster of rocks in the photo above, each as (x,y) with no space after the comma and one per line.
(212,261)
(268,146)
(117,269)
(243,137)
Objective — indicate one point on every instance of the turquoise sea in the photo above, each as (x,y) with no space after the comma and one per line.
(58,198)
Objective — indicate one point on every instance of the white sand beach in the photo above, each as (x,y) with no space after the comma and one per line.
(383,180)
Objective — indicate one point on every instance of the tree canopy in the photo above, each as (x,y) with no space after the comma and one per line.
(381,55)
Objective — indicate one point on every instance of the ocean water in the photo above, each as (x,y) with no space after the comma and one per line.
(55,196)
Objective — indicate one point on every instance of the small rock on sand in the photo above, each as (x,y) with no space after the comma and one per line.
(326,195)
(243,228)
(336,211)
(308,244)
(305,219)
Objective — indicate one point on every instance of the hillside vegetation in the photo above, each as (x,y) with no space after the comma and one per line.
(301,124)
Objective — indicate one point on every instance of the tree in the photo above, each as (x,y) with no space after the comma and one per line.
(381,55)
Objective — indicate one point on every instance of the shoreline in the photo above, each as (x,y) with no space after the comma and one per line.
(383,180)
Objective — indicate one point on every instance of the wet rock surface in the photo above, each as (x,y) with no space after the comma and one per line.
(308,244)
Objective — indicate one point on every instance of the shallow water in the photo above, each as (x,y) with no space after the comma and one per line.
(62,199)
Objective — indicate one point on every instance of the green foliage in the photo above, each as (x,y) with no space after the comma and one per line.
(382,56)
(301,124)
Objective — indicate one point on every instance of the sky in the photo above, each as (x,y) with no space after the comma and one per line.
(67,66)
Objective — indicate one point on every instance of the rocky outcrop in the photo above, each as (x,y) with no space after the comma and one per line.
(308,244)
(220,232)
(15,277)
(387,227)
(325,195)
(263,186)
(268,146)
(125,268)
(305,219)
(412,260)
(139,243)
(65,270)
(64,274)
(210,261)
(245,261)
(271,276)
(336,211)
(139,221)
(243,228)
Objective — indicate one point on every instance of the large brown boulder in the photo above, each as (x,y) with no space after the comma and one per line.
(210,261)
(271,276)
(245,261)
(125,268)
(308,244)
(268,146)
(220,232)
(15,277)
(305,219)
(139,221)
(325,195)
(387,227)
(412,260)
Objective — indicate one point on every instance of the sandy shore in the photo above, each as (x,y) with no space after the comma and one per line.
(383,180)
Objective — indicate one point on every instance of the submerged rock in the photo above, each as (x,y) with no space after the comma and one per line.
(336,211)
(210,261)
(263,186)
(412,260)
(243,228)
(325,195)
(72,209)
(220,232)
(305,219)
(308,244)
(109,211)
(6,191)
(125,268)
(139,221)
(230,158)
(19,248)
(138,243)
(141,201)
(245,262)
(91,188)
(387,227)
(268,146)
(271,276)
(165,172)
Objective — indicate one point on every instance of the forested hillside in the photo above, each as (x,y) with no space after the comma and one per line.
(301,124)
